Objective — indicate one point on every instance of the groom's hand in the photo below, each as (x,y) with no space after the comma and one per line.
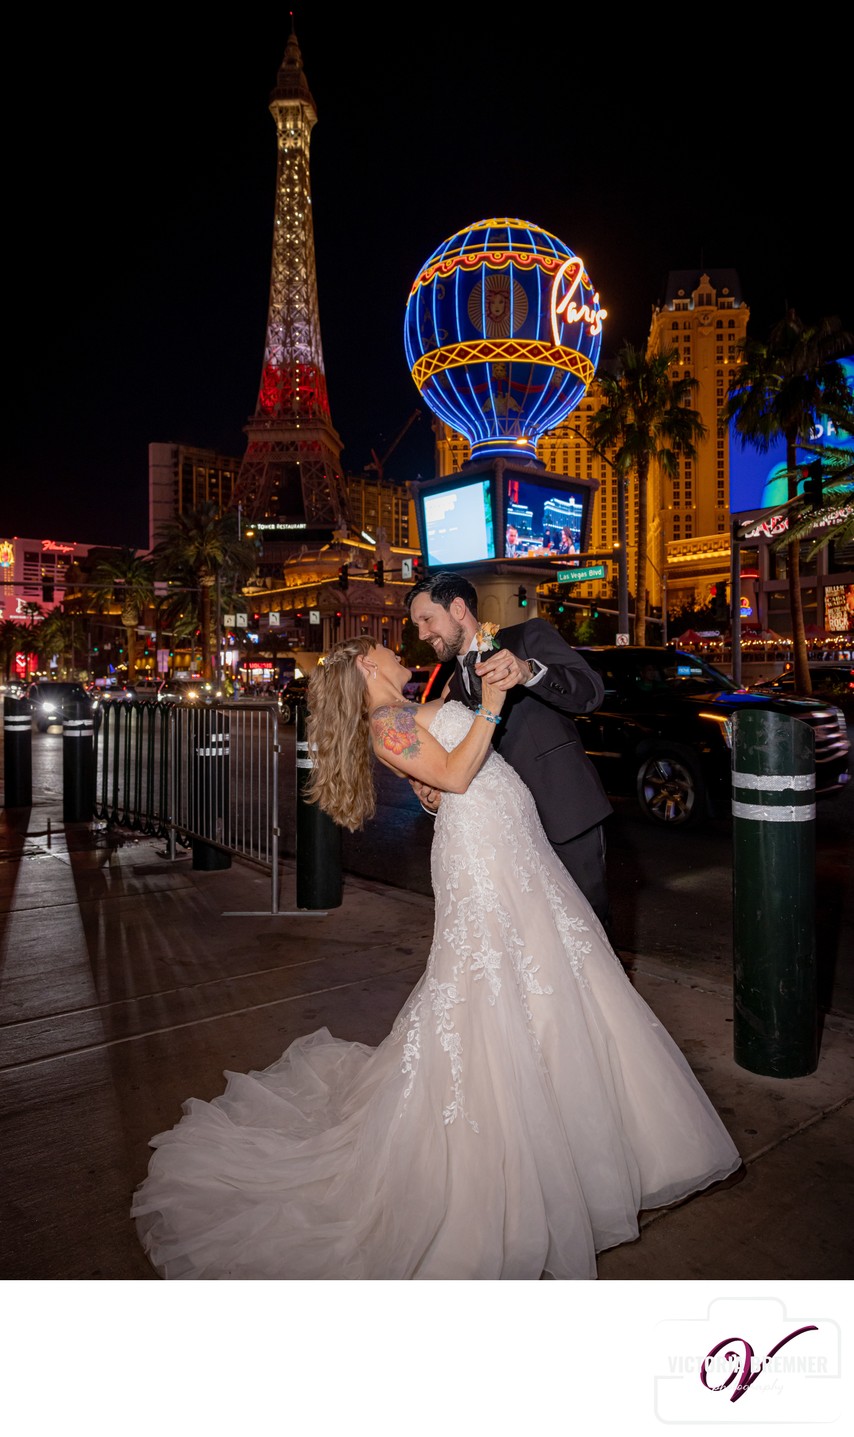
(503,670)
(428,797)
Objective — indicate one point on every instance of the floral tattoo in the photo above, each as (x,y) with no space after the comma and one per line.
(396,731)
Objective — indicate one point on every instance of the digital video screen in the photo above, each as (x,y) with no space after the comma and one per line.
(760,480)
(458,524)
(542,520)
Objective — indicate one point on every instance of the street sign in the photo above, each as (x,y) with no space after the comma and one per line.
(622,640)
(579,576)
(228,620)
(242,621)
(273,619)
(406,568)
(314,616)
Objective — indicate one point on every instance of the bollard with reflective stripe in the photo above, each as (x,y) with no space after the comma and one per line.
(78,764)
(17,753)
(318,839)
(773,810)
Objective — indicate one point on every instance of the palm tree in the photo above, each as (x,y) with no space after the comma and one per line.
(10,644)
(125,578)
(646,416)
(198,549)
(833,521)
(779,391)
(57,635)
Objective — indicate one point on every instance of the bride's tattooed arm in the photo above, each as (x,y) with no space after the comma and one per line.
(395,730)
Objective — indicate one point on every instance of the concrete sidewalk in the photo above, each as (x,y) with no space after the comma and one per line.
(124,990)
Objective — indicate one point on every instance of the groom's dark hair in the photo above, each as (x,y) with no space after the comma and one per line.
(443,588)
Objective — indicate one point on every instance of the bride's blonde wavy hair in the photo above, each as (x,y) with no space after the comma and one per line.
(339,741)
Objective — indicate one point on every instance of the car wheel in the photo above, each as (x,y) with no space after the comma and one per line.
(287,714)
(670,788)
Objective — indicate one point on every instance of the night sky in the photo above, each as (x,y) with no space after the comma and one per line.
(140,201)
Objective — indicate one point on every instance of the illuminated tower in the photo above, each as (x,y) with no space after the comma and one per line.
(291,471)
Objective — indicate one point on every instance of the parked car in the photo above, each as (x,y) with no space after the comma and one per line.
(115,693)
(53,701)
(664,731)
(147,690)
(831,681)
(189,691)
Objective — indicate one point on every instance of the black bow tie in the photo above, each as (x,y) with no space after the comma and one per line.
(475,685)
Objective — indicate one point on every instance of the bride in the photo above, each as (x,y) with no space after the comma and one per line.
(526,1105)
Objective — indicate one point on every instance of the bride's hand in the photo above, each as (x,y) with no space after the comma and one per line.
(492,698)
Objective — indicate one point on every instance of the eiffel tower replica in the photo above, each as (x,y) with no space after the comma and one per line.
(290,484)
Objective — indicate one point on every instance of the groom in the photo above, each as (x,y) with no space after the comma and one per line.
(546,682)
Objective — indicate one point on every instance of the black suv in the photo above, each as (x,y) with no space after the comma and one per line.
(52,702)
(663,731)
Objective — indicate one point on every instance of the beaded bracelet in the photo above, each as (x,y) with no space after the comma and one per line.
(481,712)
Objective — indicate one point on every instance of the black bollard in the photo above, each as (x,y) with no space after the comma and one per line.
(78,764)
(210,746)
(773,807)
(17,753)
(318,839)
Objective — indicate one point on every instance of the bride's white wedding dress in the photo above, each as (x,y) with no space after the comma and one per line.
(525,1106)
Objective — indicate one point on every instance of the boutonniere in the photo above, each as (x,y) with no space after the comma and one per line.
(484,639)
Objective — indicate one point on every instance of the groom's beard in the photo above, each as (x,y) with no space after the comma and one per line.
(450,647)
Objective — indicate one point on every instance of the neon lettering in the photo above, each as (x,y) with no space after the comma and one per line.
(566,308)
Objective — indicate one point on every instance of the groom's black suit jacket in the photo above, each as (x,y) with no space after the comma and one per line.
(537,736)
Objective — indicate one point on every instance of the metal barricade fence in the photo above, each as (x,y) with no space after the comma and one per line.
(193,772)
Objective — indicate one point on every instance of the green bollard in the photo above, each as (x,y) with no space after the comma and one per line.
(773,809)
(318,839)
(18,753)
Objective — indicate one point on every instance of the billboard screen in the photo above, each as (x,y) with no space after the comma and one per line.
(458,524)
(543,519)
(759,481)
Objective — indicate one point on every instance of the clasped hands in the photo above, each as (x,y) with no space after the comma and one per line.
(498,671)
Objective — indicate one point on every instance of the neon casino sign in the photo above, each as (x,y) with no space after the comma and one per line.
(564,306)
(7,554)
(502,334)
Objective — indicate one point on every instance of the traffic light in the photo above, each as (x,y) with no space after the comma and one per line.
(594,612)
(561,608)
(522,597)
(813,491)
(344,576)
(417,572)
(379,573)
(721,607)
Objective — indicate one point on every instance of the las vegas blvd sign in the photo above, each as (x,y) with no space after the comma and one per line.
(577,576)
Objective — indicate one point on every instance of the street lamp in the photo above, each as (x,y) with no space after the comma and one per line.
(622,536)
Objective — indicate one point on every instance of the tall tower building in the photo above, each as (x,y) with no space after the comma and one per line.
(703,319)
(291,472)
